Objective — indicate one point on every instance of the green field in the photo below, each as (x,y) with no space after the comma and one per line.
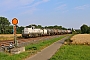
(30,50)
(72,52)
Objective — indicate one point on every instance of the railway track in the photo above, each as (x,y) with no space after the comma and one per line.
(23,41)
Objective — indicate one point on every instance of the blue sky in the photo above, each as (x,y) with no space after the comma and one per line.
(66,13)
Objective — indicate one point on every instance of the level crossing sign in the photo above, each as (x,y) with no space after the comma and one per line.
(14,21)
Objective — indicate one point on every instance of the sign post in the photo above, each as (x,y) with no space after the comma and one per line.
(15,22)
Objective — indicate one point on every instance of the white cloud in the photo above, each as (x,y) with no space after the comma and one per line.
(26,5)
(32,8)
(25,2)
(61,7)
(14,4)
(81,7)
(45,0)
(30,11)
(19,3)
(39,2)
(59,2)
(65,11)
(36,4)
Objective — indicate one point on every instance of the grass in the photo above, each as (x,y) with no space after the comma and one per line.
(4,56)
(43,43)
(31,49)
(8,36)
(72,52)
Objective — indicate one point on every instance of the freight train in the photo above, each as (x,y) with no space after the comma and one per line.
(34,32)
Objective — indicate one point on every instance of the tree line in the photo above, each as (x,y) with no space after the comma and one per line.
(7,28)
(47,27)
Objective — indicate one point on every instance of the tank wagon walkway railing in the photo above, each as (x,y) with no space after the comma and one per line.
(47,53)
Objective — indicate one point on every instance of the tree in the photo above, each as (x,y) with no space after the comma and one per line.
(29,26)
(60,27)
(84,29)
(64,28)
(9,30)
(56,27)
(89,29)
(19,29)
(4,24)
(39,26)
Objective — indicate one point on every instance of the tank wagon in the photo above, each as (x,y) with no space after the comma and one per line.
(33,32)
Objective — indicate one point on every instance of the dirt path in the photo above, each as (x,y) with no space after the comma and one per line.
(47,53)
